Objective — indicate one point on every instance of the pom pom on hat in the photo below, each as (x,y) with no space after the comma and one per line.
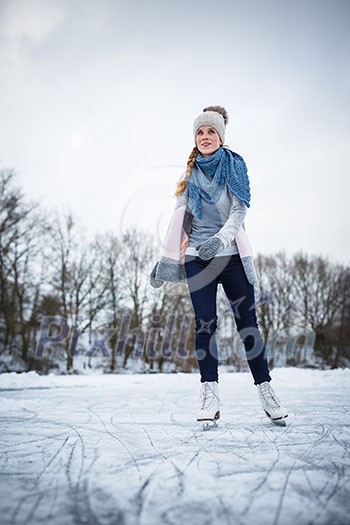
(215,116)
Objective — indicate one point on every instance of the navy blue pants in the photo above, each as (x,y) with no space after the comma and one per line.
(203,278)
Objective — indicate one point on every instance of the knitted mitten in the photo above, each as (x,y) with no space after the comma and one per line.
(155,283)
(209,248)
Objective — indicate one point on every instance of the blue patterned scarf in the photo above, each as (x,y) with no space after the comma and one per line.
(209,175)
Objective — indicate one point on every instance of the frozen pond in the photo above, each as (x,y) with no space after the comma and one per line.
(126,449)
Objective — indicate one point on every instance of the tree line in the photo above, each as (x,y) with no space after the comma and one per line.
(65,294)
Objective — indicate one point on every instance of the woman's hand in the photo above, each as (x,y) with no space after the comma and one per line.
(210,248)
(155,283)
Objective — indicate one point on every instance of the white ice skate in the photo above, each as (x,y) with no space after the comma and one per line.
(209,412)
(271,404)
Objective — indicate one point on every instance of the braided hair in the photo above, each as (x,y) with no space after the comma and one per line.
(190,163)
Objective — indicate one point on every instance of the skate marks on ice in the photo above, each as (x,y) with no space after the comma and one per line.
(52,480)
(114,455)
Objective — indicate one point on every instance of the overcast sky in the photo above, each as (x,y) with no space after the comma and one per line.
(97,101)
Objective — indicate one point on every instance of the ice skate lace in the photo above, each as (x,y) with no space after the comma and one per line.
(269,396)
(208,395)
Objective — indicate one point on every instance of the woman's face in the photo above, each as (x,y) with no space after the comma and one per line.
(207,140)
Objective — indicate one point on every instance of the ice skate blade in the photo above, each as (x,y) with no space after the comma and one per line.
(280,422)
(209,425)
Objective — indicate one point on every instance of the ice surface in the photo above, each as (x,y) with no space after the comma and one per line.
(126,449)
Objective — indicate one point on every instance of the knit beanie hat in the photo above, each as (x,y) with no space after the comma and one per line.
(215,116)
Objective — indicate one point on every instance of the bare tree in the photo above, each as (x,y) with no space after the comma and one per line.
(342,326)
(115,295)
(77,277)
(22,227)
(274,301)
(136,256)
(318,284)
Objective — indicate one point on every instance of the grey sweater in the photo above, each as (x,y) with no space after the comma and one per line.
(222,219)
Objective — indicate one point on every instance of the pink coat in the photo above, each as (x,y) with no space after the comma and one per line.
(171,268)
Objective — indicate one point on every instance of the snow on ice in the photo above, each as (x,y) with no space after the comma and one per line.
(126,449)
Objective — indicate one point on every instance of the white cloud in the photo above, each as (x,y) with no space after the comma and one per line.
(34,19)
(26,21)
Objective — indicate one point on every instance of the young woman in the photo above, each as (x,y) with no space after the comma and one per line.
(206,244)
